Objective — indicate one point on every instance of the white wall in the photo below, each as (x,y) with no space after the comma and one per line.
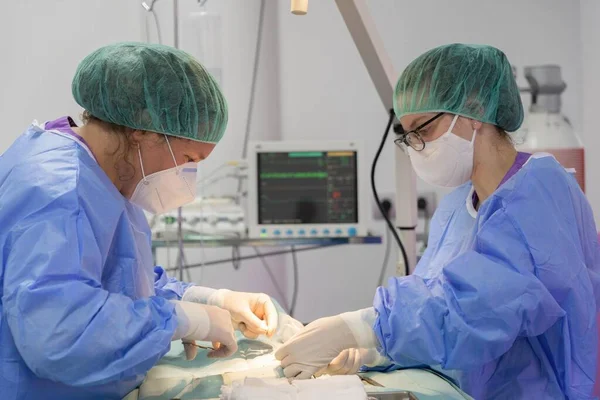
(590,39)
(326,92)
(41,43)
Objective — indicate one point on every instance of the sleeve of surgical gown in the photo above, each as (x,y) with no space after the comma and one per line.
(168,287)
(473,311)
(65,326)
(172,289)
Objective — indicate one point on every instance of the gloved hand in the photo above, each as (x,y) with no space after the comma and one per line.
(205,323)
(323,340)
(287,328)
(253,314)
(350,360)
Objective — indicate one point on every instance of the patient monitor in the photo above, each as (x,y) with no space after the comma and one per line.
(307,189)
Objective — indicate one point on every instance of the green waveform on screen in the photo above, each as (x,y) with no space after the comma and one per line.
(294,175)
(305,154)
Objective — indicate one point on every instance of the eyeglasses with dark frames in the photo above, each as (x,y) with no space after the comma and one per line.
(413,137)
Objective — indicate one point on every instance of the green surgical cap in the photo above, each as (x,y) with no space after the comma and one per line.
(151,87)
(469,80)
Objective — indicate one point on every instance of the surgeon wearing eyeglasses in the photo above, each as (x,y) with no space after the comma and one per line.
(84,312)
(504,300)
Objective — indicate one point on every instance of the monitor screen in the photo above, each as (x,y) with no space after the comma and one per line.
(307,187)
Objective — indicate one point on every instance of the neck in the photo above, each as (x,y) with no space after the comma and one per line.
(105,147)
(494,158)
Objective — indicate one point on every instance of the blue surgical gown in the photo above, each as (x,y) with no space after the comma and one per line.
(504,300)
(84,313)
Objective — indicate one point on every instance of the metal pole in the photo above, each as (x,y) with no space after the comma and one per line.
(261,17)
(180,258)
(176,24)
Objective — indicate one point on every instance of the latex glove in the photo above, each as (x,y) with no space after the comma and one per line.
(253,314)
(323,340)
(205,323)
(351,360)
(287,328)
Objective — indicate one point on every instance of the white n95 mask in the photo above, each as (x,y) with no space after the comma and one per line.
(166,190)
(446,161)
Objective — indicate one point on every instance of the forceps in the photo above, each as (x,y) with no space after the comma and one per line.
(200,346)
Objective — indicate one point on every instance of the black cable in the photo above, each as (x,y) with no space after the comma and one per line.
(423,208)
(296,283)
(376,195)
(386,258)
(387,206)
(235,257)
(427,226)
